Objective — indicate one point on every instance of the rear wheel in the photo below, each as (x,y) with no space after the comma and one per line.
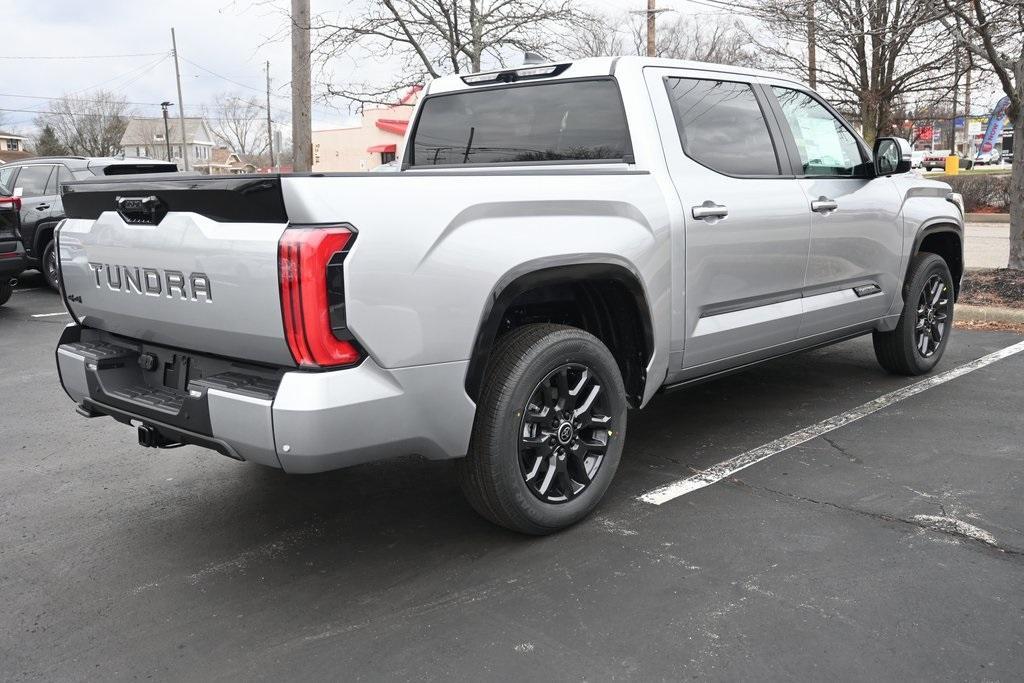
(920,338)
(49,264)
(549,430)
(5,292)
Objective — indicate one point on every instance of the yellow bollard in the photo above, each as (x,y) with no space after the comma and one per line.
(952,165)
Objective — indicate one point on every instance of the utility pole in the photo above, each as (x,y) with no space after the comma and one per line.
(181,104)
(270,127)
(968,140)
(651,12)
(812,47)
(956,91)
(302,124)
(167,128)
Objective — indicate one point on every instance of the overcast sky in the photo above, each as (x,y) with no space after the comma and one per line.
(223,45)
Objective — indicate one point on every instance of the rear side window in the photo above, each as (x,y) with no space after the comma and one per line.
(722,127)
(32,180)
(569,121)
(7,176)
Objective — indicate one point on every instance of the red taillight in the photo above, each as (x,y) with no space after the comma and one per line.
(303,257)
(14,202)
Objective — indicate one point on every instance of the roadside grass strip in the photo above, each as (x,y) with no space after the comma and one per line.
(727,468)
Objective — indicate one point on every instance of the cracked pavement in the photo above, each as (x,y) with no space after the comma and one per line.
(889,549)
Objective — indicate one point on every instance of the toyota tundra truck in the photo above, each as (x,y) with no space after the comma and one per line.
(560,243)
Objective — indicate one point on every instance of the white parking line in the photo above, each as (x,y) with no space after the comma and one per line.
(47,315)
(729,467)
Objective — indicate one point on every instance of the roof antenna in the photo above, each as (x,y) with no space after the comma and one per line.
(533,58)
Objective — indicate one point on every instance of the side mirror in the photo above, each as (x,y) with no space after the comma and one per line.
(892,155)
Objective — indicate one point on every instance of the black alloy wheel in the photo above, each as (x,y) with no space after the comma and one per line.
(564,433)
(932,316)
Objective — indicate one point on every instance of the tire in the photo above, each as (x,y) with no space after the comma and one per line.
(519,433)
(5,292)
(48,265)
(912,348)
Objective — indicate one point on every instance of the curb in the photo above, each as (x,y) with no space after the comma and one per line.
(987,218)
(988,313)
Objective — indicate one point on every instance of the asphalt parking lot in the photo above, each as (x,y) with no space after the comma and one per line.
(891,548)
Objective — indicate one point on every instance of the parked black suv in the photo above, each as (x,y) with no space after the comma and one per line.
(37,182)
(12,254)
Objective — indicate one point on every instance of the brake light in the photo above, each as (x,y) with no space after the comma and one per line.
(309,267)
(14,202)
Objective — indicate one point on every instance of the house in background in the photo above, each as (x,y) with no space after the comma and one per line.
(225,162)
(145,138)
(13,147)
(373,142)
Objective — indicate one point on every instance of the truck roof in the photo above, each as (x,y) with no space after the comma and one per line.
(590,66)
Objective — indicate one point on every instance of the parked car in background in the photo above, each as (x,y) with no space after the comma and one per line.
(37,182)
(993,156)
(937,160)
(916,157)
(1007,156)
(12,253)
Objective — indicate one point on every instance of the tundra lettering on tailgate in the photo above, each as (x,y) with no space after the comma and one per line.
(153,281)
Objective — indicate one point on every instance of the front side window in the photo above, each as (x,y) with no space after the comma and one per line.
(827,147)
(721,126)
(32,180)
(570,121)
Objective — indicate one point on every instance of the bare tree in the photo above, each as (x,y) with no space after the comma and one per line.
(678,37)
(994,31)
(90,124)
(430,38)
(871,54)
(706,39)
(240,123)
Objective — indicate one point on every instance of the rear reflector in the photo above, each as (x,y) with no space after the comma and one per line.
(304,255)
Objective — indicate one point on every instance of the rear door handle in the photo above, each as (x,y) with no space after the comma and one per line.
(42,207)
(709,210)
(824,205)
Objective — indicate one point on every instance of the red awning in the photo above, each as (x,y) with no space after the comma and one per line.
(396,126)
(383,148)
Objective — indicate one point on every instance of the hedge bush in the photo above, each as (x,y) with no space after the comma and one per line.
(982,191)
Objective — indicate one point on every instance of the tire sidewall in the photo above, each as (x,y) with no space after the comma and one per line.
(48,254)
(568,346)
(932,265)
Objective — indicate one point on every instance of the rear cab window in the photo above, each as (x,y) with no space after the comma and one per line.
(557,122)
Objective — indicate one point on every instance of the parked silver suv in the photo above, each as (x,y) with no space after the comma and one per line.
(561,243)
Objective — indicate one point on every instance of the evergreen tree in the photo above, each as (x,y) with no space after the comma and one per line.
(47,144)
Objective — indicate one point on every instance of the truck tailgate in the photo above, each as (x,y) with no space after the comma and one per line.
(194,267)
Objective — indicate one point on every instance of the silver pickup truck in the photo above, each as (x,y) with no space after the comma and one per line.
(561,243)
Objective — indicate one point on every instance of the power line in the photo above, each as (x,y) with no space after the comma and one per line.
(76,57)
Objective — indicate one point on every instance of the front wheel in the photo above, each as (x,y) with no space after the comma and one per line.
(49,265)
(920,338)
(549,430)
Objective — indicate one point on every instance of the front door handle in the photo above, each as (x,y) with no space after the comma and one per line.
(709,210)
(824,205)
(42,207)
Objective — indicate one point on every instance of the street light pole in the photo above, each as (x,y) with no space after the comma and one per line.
(167,128)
